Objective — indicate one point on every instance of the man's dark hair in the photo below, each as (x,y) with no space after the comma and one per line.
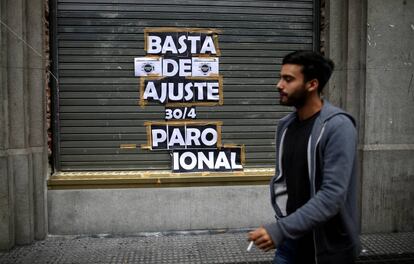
(314,66)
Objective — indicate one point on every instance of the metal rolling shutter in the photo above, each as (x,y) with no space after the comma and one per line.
(97,105)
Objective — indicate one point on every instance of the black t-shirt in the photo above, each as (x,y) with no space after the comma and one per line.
(295,162)
(295,169)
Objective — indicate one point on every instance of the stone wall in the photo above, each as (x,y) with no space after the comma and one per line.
(23,149)
(388,169)
(371,42)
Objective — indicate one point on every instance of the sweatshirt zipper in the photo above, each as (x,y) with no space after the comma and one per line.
(313,180)
(282,138)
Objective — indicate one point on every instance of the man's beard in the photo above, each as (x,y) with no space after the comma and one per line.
(296,99)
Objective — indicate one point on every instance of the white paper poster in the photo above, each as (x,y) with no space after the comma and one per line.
(145,66)
(205,66)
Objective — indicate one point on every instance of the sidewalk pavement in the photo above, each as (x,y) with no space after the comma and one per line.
(218,246)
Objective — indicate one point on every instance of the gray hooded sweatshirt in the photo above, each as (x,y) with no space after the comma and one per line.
(331,213)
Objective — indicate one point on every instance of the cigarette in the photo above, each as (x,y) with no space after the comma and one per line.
(250,246)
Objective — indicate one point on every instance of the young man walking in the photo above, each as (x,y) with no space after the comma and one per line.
(314,188)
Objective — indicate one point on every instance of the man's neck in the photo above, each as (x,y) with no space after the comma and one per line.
(311,107)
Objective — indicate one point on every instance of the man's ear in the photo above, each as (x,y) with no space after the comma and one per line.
(312,85)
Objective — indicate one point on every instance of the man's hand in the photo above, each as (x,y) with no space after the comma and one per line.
(261,239)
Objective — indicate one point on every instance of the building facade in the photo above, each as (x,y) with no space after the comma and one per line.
(98,174)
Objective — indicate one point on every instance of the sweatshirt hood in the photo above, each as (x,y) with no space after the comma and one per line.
(328,111)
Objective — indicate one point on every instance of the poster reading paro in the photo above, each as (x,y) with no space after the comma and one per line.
(181,72)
